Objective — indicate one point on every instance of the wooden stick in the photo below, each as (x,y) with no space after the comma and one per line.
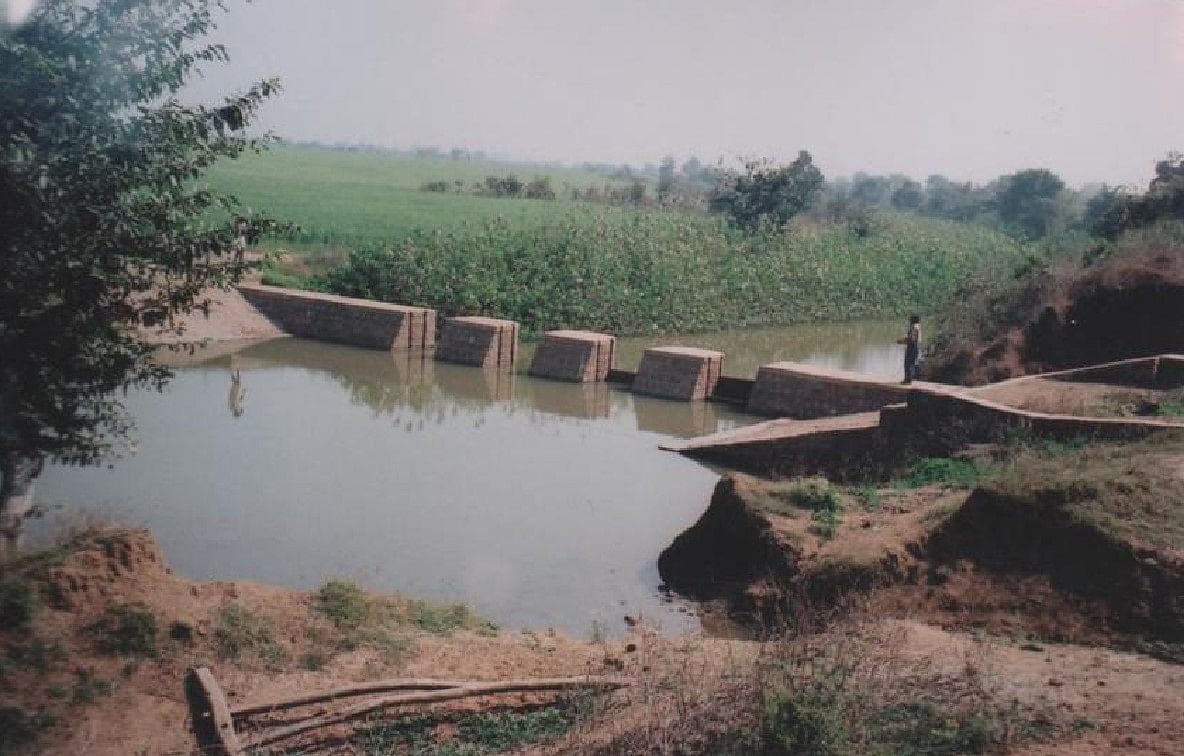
(462,691)
(363,689)
(211,715)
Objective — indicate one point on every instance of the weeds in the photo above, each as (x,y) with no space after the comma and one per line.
(473,735)
(240,631)
(817,497)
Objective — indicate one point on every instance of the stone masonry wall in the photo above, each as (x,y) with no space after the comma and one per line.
(578,356)
(482,342)
(357,322)
(806,392)
(678,373)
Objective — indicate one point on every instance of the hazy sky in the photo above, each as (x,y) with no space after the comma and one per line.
(1093,89)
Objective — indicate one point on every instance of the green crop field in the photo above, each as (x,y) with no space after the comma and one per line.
(367,229)
(341,198)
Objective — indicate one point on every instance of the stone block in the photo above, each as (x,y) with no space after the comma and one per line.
(577,356)
(344,320)
(678,373)
(477,341)
(806,392)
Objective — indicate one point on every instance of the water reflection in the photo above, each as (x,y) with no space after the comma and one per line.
(866,347)
(540,503)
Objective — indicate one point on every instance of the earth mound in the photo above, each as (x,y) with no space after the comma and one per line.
(1129,306)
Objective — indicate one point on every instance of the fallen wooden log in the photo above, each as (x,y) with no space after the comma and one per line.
(465,690)
(214,719)
(362,689)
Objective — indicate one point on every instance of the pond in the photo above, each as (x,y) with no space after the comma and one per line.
(540,504)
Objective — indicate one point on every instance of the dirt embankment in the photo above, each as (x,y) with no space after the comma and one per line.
(1129,306)
(96,637)
(988,559)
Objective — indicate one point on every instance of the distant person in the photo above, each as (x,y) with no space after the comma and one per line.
(912,348)
(240,240)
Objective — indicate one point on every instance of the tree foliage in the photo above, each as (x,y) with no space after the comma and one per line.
(1115,211)
(1027,200)
(765,193)
(103,224)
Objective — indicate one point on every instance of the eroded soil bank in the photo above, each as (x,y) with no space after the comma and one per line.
(1075,559)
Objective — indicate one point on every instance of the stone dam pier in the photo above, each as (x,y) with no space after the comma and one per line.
(821,415)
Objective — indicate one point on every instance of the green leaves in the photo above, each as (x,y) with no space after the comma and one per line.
(102,227)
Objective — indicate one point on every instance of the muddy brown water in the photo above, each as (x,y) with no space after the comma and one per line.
(540,504)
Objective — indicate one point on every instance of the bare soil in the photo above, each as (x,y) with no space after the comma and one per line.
(683,690)
(1128,306)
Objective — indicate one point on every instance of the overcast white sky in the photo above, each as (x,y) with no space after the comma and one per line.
(1093,89)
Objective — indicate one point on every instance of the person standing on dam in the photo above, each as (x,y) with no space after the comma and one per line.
(912,348)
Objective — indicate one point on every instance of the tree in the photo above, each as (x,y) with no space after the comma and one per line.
(103,226)
(665,178)
(765,193)
(910,195)
(1028,201)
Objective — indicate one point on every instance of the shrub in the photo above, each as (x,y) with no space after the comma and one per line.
(805,723)
(344,603)
(434,186)
(127,630)
(18,602)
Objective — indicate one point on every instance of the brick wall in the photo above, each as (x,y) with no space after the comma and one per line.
(678,373)
(477,341)
(357,322)
(578,356)
(805,392)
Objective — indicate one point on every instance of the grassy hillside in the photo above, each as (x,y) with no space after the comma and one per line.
(359,198)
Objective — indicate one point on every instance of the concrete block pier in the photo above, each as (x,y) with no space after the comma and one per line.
(805,392)
(477,341)
(577,356)
(678,373)
(344,320)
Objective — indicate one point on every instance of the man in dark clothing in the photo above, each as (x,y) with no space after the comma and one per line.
(912,348)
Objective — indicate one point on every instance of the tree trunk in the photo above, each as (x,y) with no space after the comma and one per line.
(17,476)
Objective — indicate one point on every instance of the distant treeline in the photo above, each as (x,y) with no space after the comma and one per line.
(1031,204)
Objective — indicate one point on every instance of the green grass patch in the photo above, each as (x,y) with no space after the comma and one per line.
(818,497)
(944,471)
(473,735)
